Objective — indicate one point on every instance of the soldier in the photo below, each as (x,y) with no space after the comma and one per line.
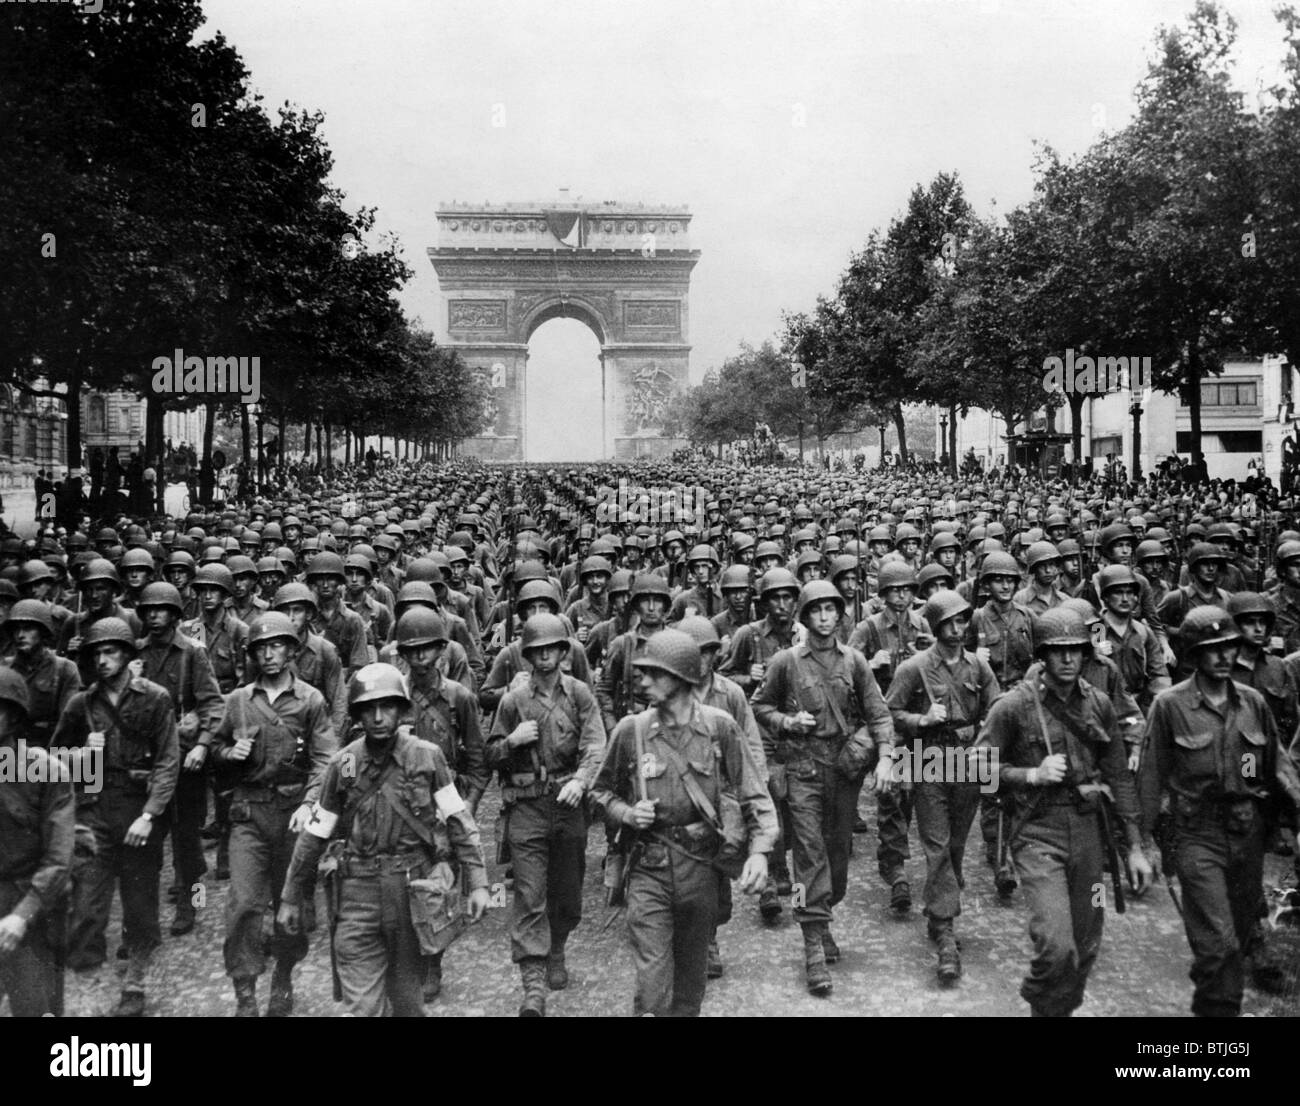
(1132,645)
(179,570)
(130,723)
(667,773)
(274,744)
(738,605)
(535,598)
(603,633)
(51,681)
(176,663)
(546,744)
(97,588)
(702,597)
(1043,563)
(717,691)
(823,721)
(245,603)
(343,628)
(618,689)
(887,639)
(37,815)
(389,801)
(1285,594)
(1000,633)
(1255,619)
(939,699)
(1058,747)
(217,629)
(375,616)
(315,660)
(1213,757)
(1204,563)
(593,608)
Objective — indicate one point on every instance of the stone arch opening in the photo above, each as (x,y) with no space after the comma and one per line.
(564,408)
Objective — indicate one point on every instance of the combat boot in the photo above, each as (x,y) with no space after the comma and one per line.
(223,857)
(533,973)
(829,947)
(129,1005)
(246,997)
(714,969)
(432,977)
(183,922)
(281,1004)
(949,967)
(814,960)
(769,904)
(557,972)
(1267,969)
(780,874)
(900,897)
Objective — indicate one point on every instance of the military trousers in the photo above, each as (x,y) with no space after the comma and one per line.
(893,822)
(672,909)
(27,974)
(1059,861)
(548,848)
(133,869)
(1221,871)
(189,810)
(381,970)
(944,813)
(823,804)
(261,847)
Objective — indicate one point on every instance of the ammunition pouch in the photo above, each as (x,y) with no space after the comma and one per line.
(437,909)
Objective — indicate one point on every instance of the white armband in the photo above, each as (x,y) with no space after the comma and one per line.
(322,822)
(448,801)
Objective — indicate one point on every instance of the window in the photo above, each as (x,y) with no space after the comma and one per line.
(1228,441)
(95,417)
(1237,394)
(1101,447)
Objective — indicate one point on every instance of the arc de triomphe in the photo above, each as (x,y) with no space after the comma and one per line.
(622,269)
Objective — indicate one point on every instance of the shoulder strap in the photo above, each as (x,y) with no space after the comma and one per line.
(693,789)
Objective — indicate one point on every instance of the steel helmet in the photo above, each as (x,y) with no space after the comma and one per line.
(942,606)
(999,564)
(931,572)
(650,583)
(326,564)
(703,553)
(895,574)
(945,539)
(701,631)
(619,583)
(1041,552)
(420,626)
(33,611)
(239,565)
(270,626)
(817,591)
(1240,603)
(593,565)
(534,590)
(674,652)
(419,591)
(13,689)
(778,579)
(289,594)
(1205,551)
(1116,576)
(215,576)
(808,557)
(1060,626)
(1287,551)
(99,569)
(376,682)
(1068,548)
(108,630)
(767,549)
(544,629)
(358,561)
(139,557)
(735,578)
(31,572)
(1149,550)
(161,595)
(1207,626)
(181,559)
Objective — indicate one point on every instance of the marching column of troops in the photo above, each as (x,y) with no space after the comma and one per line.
(316,694)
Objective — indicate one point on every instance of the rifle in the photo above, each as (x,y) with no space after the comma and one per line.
(627,847)
(1165,842)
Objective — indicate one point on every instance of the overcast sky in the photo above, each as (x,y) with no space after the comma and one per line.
(791,130)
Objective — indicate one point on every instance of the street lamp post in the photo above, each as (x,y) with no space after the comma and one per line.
(1135,409)
(943,438)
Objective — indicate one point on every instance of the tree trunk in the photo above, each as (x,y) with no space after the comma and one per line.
(1076,400)
(246,445)
(284,445)
(205,466)
(329,444)
(901,427)
(72,446)
(950,446)
(261,450)
(1194,376)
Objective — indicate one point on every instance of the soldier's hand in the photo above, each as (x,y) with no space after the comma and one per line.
(1105,647)
(570,794)
(1140,873)
(583,634)
(726,644)
(95,740)
(523,734)
(757,672)
(138,834)
(188,726)
(1052,770)
(74,645)
(241,749)
(300,818)
(289,918)
(883,777)
(478,903)
(803,722)
(1170,659)
(196,758)
(641,816)
(881,658)
(983,653)
(753,877)
(936,715)
(13,928)
(1134,759)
